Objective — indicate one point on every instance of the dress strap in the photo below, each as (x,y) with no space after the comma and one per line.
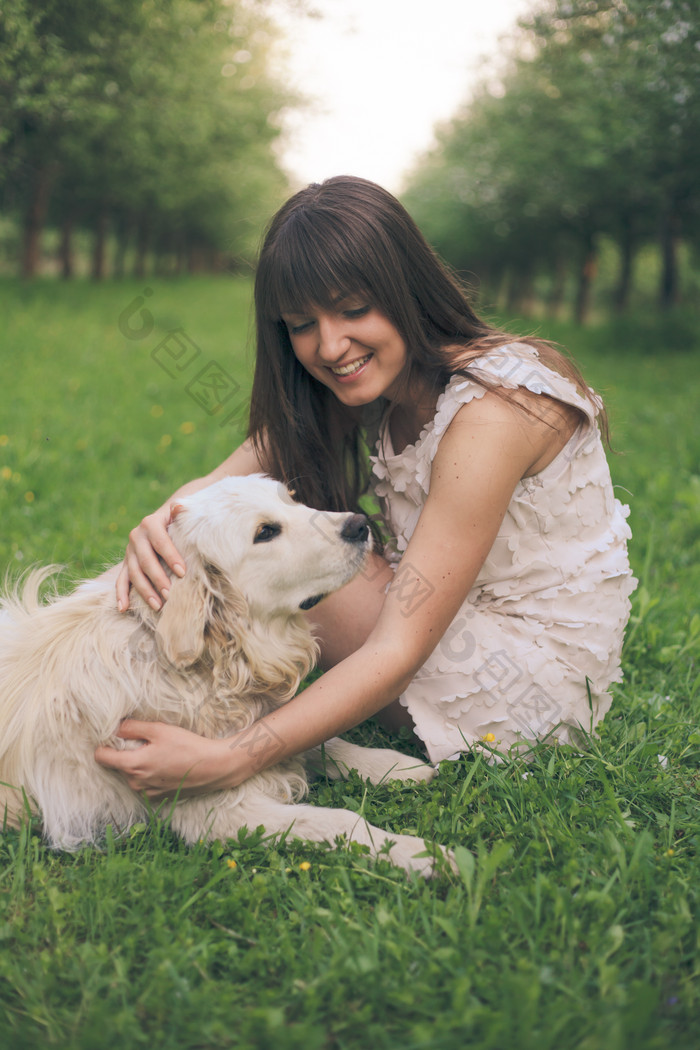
(518,365)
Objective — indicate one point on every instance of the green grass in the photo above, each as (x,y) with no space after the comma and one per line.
(573,922)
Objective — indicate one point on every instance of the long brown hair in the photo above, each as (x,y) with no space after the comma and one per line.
(340,238)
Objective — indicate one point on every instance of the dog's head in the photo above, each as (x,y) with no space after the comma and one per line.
(253,554)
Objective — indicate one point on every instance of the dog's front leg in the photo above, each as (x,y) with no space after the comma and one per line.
(320,824)
(337,757)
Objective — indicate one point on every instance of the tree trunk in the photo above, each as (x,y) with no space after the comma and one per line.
(195,259)
(513,289)
(669,290)
(558,286)
(497,288)
(65,248)
(587,272)
(526,303)
(98,249)
(142,242)
(180,254)
(124,227)
(34,219)
(621,299)
(163,251)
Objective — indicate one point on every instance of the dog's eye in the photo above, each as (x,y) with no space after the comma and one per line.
(267,532)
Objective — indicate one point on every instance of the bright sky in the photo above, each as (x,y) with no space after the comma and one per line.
(382,74)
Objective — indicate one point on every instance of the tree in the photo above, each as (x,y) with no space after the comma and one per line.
(644,78)
(592,127)
(153,116)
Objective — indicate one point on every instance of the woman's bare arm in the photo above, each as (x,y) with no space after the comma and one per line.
(487,449)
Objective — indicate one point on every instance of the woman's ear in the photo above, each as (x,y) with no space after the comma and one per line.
(180,627)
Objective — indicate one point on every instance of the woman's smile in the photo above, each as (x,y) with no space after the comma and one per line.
(353,349)
(352,369)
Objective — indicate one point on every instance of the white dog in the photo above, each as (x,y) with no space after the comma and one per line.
(231,644)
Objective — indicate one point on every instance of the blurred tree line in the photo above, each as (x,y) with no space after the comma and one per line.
(591,130)
(151,121)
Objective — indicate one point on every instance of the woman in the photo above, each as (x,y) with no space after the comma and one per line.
(497,614)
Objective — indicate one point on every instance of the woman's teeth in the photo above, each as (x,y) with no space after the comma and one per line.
(348,370)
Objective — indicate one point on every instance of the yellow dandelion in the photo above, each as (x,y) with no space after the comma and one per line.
(6,473)
(304,866)
(4,440)
(670,852)
(187,428)
(112,526)
(165,441)
(156,411)
(29,497)
(489,738)
(231,864)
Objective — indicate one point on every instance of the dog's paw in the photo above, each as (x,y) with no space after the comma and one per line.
(420,858)
(440,862)
(415,772)
(391,765)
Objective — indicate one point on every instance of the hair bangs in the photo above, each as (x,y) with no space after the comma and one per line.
(312,265)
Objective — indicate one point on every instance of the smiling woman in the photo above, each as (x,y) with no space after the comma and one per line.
(496,617)
(345,280)
(353,350)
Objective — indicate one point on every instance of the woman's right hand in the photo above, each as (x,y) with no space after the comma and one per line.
(142,569)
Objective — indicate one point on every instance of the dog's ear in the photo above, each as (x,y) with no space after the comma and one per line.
(181,625)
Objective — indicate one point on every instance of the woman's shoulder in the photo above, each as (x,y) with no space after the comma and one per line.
(518,365)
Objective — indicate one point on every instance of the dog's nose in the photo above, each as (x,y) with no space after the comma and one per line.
(355,529)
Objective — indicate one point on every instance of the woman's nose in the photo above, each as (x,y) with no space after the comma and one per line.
(333,342)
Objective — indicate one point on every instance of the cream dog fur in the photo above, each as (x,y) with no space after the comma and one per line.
(231,644)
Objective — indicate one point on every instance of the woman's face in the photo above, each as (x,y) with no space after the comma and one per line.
(353,349)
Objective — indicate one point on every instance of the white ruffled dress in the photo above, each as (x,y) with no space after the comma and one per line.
(536,644)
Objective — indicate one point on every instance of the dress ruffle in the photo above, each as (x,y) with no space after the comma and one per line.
(536,644)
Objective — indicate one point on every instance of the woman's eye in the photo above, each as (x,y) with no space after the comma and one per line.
(357,311)
(267,532)
(297,329)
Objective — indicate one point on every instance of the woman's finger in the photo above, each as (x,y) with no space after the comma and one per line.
(134,729)
(111,758)
(140,580)
(147,542)
(154,529)
(122,588)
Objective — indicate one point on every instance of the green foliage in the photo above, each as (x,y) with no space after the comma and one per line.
(572,920)
(591,127)
(158,113)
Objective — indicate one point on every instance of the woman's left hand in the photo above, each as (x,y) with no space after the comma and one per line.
(170,761)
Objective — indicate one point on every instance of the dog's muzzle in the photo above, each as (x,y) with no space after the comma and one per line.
(355,529)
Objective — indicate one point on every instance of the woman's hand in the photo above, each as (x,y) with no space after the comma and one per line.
(142,569)
(171,761)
